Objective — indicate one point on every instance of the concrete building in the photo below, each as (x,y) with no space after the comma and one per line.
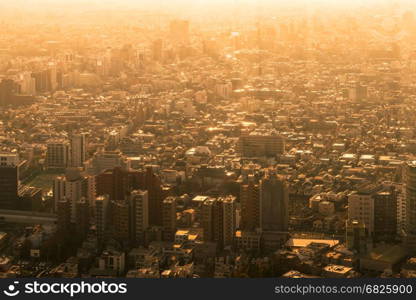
(139,210)
(258,144)
(102,205)
(78,149)
(169,218)
(72,186)
(274,201)
(57,154)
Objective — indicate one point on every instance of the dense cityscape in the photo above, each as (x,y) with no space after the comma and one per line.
(250,141)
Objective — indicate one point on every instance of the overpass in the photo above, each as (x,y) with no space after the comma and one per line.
(28,217)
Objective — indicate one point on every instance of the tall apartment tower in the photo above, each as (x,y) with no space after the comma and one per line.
(139,210)
(78,149)
(63,213)
(229,219)
(207,213)
(169,218)
(120,221)
(116,183)
(361,207)
(157,193)
(219,220)
(72,187)
(250,204)
(274,201)
(385,214)
(375,206)
(356,236)
(82,217)
(102,206)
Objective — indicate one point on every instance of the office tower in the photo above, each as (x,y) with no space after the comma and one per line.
(258,144)
(179,31)
(218,220)
(102,211)
(63,213)
(385,214)
(139,210)
(250,204)
(274,201)
(57,154)
(120,216)
(157,47)
(82,217)
(72,186)
(169,218)
(9,181)
(410,195)
(356,236)
(78,149)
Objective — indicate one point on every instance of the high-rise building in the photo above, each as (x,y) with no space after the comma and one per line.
(207,213)
(51,73)
(120,221)
(63,212)
(102,205)
(117,183)
(274,203)
(72,187)
(139,210)
(356,236)
(250,204)
(9,181)
(78,149)
(385,214)
(219,220)
(57,154)
(82,217)
(376,207)
(229,222)
(361,206)
(41,81)
(157,193)
(169,218)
